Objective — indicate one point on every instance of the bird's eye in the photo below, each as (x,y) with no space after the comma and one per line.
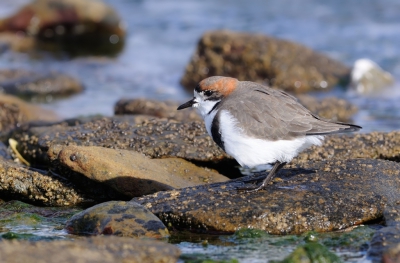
(208,92)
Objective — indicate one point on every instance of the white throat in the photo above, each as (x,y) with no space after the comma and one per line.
(204,106)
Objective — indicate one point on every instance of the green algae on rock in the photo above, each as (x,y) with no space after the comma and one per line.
(311,253)
(256,245)
(319,196)
(127,219)
(100,249)
(24,221)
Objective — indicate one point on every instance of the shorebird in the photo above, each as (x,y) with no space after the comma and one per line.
(257,125)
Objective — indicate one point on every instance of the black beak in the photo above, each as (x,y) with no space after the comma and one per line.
(187,104)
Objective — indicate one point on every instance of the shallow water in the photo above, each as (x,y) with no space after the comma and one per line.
(19,220)
(162,35)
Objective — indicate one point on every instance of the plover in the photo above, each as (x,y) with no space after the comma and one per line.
(259,125)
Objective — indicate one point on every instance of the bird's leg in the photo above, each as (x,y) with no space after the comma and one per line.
(277,166)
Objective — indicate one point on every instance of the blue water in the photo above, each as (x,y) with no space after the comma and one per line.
(162,36)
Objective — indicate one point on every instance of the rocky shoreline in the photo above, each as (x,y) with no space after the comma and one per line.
(149,170)
(178,176)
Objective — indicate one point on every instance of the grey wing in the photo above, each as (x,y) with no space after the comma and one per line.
(267,112)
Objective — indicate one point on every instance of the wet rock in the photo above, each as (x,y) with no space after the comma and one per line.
(71,25)
(160,109)
(392,255)
(49,188)
(310,253)
(375,145)
(31,186)
(127,219)
(156,138)
(131,173)
(385,244)
(4,152)
(39,85)
(14,112)
(329,108)
(17,214)
(109,249)
(279,63)
(318,196)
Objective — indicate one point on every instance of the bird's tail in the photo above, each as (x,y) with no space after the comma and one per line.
(325,127)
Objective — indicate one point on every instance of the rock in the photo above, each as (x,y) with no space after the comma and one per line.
(279,63)
(160,138)
(156,138)
(131,173)
(375,145)
(31,186)
(73,26)
(14,112)
(22,217)
(392,255)
(50,189)
(100,249)
(318,196)
(385,244)
(33,84)
(159,109)
(16,42)
(368,78)
(310,253)
(4,152)
(330,108)
(126,219)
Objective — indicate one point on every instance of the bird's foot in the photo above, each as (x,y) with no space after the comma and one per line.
(258,180)
(277,166)
(252,189)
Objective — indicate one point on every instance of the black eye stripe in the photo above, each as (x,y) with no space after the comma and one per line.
(208,92)
(213,98)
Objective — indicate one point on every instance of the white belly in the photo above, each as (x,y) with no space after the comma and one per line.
(253,152)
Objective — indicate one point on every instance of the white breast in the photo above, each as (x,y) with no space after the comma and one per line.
(208,119)
(253,152)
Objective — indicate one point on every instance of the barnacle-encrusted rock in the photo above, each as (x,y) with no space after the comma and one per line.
(254,57)
(317,196)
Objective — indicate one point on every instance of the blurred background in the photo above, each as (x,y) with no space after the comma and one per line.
(161,37)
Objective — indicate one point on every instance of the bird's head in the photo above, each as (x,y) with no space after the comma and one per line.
(209,92)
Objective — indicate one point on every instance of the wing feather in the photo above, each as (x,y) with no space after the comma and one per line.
(264,112)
